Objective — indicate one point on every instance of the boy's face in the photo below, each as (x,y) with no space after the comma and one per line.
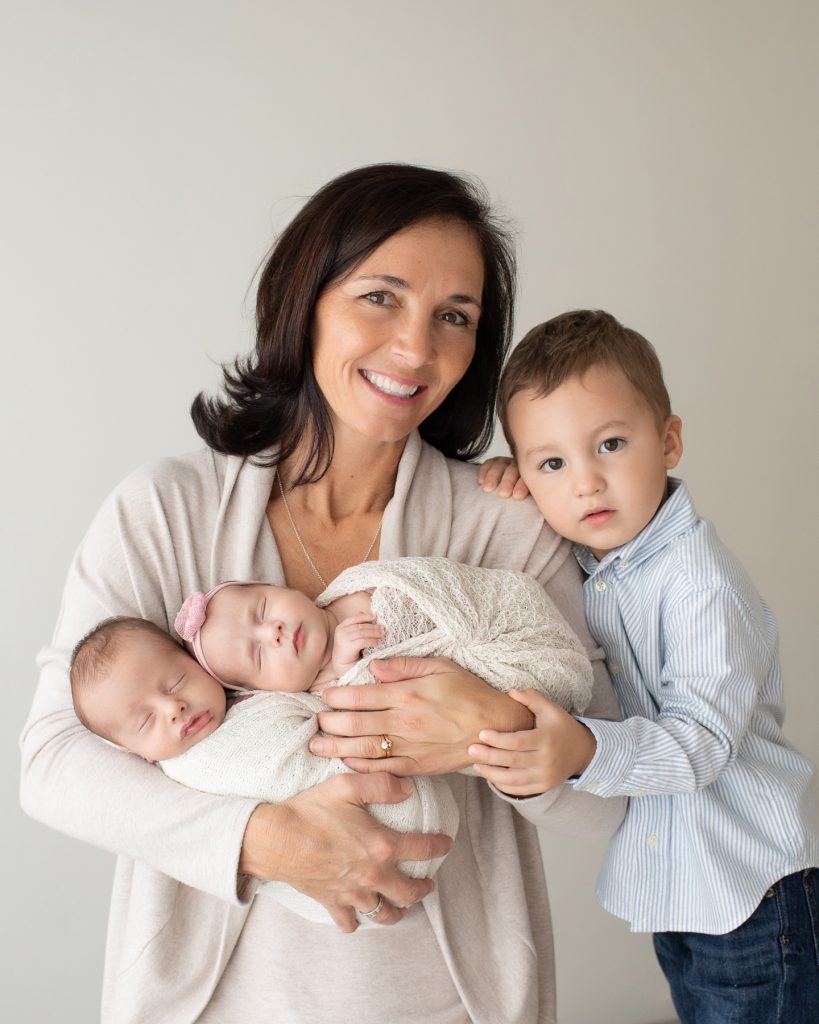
(594,457)
(157,701)
(266,638)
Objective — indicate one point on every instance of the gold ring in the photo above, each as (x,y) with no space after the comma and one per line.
(386,746)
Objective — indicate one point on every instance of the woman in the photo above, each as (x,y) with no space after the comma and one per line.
(384,313)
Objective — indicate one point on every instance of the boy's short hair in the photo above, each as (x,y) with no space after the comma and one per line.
(572,343)
(94,655)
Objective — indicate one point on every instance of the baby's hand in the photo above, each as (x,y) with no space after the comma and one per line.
(502,476)
(538,759)
(352,636)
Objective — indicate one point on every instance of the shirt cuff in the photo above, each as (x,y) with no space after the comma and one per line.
(607,772)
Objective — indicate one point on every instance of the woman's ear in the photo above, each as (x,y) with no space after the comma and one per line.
(672,441)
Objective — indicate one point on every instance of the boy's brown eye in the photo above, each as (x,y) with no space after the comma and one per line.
(552,465)
(612,444)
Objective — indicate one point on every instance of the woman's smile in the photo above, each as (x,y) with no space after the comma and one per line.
(393,338)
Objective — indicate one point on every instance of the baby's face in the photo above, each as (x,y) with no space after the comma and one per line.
(265,637)
(594,457)
(157,701)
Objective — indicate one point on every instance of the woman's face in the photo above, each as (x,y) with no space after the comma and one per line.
(393,338)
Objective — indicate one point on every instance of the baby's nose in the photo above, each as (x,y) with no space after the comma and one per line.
(272,631)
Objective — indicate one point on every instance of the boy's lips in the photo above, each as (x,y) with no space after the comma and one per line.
(194,724)
(597,516)
(298,637)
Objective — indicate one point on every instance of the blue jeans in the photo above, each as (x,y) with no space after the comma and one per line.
(766,971)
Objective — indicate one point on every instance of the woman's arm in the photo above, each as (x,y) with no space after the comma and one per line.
(80,785)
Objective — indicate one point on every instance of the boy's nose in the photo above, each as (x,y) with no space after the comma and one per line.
(588,481)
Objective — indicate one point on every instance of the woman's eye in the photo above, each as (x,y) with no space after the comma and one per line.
(611,444)
(456,317)
(377,298)
(552,465)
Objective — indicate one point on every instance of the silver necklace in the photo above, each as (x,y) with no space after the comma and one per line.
(305,552)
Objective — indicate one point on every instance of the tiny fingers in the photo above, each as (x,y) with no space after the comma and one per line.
(520,490)
(514,781)
(492,474)
(507,740)
(500,757)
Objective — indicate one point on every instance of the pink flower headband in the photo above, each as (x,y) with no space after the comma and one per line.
(191,618)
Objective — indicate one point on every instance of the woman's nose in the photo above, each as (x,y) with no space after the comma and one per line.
(413,341)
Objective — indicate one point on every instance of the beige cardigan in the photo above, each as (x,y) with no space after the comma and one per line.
(183,524)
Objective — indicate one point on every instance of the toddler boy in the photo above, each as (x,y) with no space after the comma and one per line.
(718,852)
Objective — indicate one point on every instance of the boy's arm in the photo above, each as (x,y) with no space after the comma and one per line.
(717,660)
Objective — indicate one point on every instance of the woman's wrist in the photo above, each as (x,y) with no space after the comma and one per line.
(262,855)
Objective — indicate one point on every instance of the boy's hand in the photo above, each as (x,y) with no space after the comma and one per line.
(531,762)
(352,636)
(501,476)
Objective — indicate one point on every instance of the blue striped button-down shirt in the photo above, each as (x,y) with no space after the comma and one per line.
(721,804)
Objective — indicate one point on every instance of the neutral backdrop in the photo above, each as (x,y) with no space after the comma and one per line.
(658,159)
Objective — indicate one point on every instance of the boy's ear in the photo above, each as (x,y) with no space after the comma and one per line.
(672,441)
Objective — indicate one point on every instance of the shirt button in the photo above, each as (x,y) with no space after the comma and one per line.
(625,564)
(642,792)
(593,786)
(614,668)
(600,585)
(652,840)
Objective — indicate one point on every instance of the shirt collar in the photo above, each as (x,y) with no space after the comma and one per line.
(674,517)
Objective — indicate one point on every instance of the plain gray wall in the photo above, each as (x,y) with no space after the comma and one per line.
(659,159)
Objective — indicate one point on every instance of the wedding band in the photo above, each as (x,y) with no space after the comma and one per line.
(376,909)
(386,746)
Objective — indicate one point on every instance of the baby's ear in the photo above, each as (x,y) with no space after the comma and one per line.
(672,441)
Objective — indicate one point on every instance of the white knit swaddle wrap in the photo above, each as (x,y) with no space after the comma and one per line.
(495,623)
(260,751)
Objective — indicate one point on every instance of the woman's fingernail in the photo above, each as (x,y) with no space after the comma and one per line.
(405,785)
(316,746)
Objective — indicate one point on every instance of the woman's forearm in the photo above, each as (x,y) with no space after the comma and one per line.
(79,785)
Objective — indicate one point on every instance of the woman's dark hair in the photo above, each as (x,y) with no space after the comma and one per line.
(272,398)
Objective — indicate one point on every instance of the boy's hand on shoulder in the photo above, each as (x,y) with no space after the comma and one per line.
(538,759)
(352,636)
(502,476)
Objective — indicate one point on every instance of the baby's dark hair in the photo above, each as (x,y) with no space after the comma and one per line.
(95,654)
(570,344)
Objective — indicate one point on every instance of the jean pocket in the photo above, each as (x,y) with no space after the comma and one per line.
(810,881)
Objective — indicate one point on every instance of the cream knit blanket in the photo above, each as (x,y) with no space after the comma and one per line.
(496,623)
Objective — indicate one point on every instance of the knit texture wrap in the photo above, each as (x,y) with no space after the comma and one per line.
(496,623)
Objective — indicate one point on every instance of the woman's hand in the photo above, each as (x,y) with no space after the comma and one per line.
(431,710)
(502,476)
(325,843)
